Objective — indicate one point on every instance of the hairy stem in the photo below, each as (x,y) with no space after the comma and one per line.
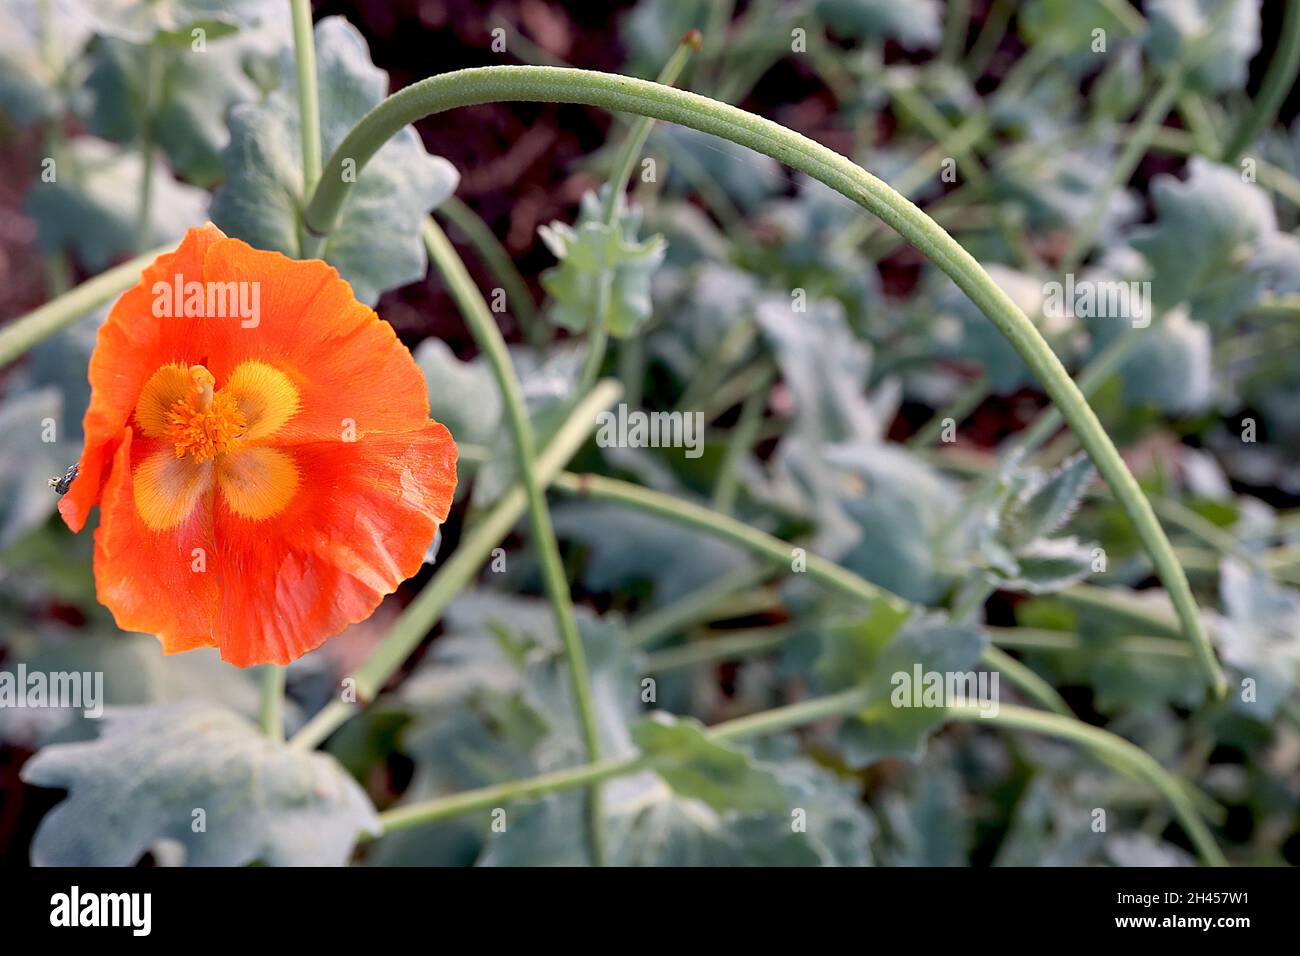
(625,94)
(1116,749)
(271,713)
(304,55)
(493,346)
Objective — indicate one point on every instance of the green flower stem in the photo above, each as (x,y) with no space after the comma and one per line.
(768,722)
(1039,639)
(735,389)
(1135,147)
(691,515)
(152,81)
(824,572)
(485,798)
(956,23)
(488,337)
(743,435)
(1278,81)
(1120,605)
(636,140)
(625,94)
(1027,680)
(696,608)
(1195,116)
(989,37)
(727,646)
(21,334)
(421,614)
(631,369)
(598,336)
(1123,753)
(490,250)
(965,402)
(271,714)
(304,55)
(1117,750)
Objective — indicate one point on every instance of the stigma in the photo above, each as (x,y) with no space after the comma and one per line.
(205,423)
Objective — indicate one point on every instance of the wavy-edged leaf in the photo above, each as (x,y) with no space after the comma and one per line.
(376,244)
(94,211)
(152,768)
(698,768)
(593,253)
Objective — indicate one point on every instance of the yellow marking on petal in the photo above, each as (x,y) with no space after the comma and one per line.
(257,482)
(167,386)
(167,488)
(266,396)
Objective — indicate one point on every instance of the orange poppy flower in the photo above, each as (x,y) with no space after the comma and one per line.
(260,447)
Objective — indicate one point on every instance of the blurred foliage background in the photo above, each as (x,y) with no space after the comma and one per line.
(824,427)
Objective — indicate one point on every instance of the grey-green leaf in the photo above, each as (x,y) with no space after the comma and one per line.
(696,767)
(201,776)
(376,243)
(593,253)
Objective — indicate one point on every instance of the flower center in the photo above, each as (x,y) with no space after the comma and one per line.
(205,423)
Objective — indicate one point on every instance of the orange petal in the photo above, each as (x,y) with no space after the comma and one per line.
(352,375)
(131,346)
(155,582)
(359,524)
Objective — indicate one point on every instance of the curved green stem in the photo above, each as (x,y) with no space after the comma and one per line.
(1278,81)
(768,722)
(727,484)
(153,55)
(729,529)
(477,543)
(695,608)
(20,335)
(1138,762)
(1027,680)
(1135,146)
(479,319)
(1116,750)
(625,94)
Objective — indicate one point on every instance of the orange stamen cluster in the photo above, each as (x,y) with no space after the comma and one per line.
(205,424)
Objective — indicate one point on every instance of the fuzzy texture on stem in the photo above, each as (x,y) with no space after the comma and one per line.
(488,337)
(625,94)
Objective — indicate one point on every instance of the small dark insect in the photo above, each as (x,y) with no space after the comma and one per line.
(61,485)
